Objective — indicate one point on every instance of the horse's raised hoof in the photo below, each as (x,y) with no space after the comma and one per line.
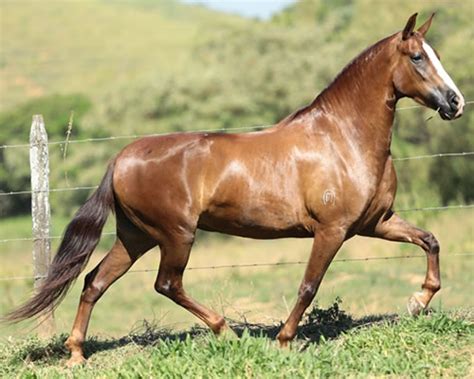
(77,360)
(415,306)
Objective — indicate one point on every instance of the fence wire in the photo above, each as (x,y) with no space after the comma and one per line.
(436,155)
(135,136)
(265,264)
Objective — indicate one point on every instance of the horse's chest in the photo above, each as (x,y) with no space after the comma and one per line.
(382,199)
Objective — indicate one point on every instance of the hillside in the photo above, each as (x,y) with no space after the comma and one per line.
(90,46)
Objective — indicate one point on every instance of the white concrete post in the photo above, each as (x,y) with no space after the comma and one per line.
(40,211)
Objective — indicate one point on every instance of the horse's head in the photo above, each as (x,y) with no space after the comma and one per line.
(419,74)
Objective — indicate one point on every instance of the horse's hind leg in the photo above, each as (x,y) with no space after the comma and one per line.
(174,257)
(116,263)
(394,228)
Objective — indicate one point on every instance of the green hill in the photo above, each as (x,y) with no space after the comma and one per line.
(88,46)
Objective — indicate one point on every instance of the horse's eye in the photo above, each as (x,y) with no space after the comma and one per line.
(416,58)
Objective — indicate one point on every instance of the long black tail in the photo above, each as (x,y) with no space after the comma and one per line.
(80,239)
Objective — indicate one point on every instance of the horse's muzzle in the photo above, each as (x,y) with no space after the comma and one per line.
(448,103)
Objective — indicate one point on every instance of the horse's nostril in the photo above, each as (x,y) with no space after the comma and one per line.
(453,101)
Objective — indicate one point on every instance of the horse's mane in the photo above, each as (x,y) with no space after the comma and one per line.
(342,77)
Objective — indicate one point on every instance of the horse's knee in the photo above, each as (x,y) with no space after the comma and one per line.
(431,243)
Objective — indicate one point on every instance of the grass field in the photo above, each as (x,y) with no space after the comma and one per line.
(330,344)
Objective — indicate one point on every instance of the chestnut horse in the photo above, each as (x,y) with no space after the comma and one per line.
(324,172)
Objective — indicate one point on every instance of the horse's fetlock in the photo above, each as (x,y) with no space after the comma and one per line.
(284,337)
(219,325)
(433,285)
(73,343)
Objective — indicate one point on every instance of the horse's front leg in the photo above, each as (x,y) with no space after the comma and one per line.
(394,228)
(326,243)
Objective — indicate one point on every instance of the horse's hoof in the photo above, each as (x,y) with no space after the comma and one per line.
(77,360)
(283,342)
(415,306)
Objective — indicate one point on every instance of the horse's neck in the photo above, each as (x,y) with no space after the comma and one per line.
(362,98)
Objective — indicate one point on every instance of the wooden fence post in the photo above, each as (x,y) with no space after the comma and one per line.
(40,211)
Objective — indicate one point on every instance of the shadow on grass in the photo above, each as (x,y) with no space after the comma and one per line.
(328,323)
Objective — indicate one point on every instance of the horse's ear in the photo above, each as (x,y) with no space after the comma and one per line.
(426,26)
(409,27)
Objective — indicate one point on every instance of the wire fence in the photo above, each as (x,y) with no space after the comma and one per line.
(267,264)
(88,188)
(436,155)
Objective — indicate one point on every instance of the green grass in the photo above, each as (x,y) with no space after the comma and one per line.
(330,343)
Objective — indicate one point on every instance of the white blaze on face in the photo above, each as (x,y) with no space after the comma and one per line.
(444,75)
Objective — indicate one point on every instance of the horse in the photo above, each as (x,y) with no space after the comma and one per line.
(324,172)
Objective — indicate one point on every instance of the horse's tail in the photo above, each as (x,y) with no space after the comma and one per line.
(80,239)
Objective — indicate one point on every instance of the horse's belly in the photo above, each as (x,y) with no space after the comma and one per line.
(260,223)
